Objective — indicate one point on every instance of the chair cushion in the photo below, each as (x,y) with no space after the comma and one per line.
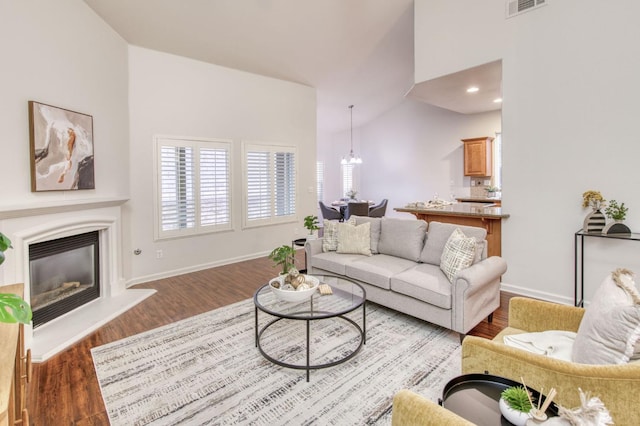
(438,236)
(330,236)
(458,254)
(610,328)
(354,239)
(377,270)
(402,237)
(375,230)
(424,282)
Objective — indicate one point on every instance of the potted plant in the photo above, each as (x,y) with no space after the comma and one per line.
(492,190)
(352,194)
(13,308)
(515,405)
(285,256)
(616,212)
(311,223)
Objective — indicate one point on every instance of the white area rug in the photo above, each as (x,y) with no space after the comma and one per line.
(206,370)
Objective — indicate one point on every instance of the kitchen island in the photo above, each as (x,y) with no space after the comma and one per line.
(488,217)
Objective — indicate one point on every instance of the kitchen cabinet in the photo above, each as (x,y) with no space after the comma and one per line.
(477,156)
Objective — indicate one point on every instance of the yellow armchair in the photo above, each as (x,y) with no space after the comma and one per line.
(618,386)
(411,409)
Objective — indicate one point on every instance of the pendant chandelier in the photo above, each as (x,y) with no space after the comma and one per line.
(352,158)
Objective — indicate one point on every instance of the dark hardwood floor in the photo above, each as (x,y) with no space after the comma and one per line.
(64,390)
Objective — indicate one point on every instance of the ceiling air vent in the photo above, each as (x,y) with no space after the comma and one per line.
(516,7)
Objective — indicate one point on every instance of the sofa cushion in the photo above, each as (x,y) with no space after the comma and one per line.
(458,254)
(610,328)
(439,234)
(333,262)
(402,237)
(375,230)
(330,235)
(354,239)
(424,282)
(377,270)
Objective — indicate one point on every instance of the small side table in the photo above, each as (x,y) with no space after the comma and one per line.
(475,397)
(300,242)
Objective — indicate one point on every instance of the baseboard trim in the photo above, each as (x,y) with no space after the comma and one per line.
(542,295)
(194,268)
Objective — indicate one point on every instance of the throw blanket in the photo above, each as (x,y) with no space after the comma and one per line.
(552,343)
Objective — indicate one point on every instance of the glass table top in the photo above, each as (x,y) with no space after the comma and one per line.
(346,296)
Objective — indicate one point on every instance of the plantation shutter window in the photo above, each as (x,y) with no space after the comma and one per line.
(177,196)
(270,184)
(193,186)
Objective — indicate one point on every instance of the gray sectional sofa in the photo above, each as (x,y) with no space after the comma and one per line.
(402,269)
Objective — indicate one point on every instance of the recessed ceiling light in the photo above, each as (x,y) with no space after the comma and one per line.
(497,100)
(472,89)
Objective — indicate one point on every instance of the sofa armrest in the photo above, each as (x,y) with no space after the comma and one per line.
(479,275)
(616,385)
(312,247)
(411,409)
(475,293)
(536,315)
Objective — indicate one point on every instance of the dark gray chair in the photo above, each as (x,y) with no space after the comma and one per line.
(379,209)
(329,213)
(357,209)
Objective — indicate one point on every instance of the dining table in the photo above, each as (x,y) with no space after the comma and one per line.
(341,205)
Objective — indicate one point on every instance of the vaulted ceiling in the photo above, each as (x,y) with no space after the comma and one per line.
(356,52)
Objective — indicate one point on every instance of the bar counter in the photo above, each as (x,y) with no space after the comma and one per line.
(468,214)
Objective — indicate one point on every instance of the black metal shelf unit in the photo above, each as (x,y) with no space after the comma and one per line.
(578,298)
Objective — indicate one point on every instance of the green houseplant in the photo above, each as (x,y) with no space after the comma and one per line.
(615,211)
(311,223)
(13,308)
(515,405)
(285,256)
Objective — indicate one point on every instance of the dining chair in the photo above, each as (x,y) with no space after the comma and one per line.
(329,213)
(356,208)
(379,209)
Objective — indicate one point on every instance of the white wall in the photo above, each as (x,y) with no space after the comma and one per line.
(60,53)
(171,95)
(410,153)
(426,156)
(570,116)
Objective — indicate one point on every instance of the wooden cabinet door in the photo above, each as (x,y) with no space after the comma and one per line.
(477,156)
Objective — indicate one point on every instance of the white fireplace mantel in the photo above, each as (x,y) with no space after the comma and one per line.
(33,223)
(52,207)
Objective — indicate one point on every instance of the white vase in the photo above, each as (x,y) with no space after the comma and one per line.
(518,418)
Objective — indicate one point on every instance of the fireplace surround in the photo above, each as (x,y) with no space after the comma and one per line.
(64,274)
(31,225)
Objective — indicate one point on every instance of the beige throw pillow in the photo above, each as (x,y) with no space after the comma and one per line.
(354,239)
(609,332)
(459,253)
(330,236)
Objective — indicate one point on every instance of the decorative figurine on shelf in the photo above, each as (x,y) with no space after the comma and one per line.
(617,213)
(595,221)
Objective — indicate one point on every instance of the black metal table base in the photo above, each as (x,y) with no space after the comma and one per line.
(308,367)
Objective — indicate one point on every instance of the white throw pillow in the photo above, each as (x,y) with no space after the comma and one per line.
(354,239)
(459,253)
(609,332)
(330,236)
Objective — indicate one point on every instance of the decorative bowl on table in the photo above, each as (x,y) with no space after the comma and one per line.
(288,293)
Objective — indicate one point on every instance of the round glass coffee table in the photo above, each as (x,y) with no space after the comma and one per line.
(347,296)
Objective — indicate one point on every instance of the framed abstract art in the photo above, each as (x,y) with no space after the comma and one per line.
(61,147)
